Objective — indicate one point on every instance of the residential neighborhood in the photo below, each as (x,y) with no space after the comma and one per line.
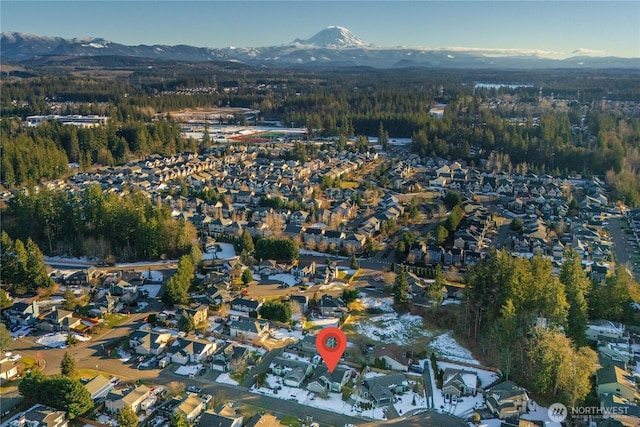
(446,239)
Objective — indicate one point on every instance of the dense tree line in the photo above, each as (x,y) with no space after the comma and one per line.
(98,224)
(338,103)
(530,322)
(22,266)
(30,154)
(273,310)
(177,287)
(277,249)
(57,391)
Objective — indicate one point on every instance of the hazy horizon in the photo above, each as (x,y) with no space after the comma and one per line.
(545,28)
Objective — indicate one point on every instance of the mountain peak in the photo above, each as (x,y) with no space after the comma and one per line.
(333,37)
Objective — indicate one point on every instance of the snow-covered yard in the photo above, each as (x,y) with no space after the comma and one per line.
(447,347)
(333,286)
(382,304)
(287,279)
(188,370)
(333,403)
(58,340)
(392,328)
(224,378)
(220,251)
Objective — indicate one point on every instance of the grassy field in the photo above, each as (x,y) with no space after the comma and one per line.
(348,184)
(113,320)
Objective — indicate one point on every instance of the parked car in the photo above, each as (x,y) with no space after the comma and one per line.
(193,389)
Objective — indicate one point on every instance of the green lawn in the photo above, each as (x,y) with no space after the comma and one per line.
(290,420)
(113,320)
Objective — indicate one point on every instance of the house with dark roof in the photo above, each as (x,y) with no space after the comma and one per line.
(459,382)
(211,419)
(42,416)
(332,307)
(245,305)
(58,320)
(249,329)
(506,400)
(301,301)
(322,381)
(382,390)
(229,355)
(148,342)
(191,350)
(22,313)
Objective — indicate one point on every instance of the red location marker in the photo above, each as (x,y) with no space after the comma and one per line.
(331,343)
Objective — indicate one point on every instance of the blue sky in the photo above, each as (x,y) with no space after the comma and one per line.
(551,28)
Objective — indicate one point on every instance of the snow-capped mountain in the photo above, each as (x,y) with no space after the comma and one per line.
(333,37)
(332,47)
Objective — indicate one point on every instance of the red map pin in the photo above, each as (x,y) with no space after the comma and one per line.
(331,343)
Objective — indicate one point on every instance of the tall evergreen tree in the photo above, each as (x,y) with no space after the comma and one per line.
(577,285)
(401,287)
(68,366)
(127,418)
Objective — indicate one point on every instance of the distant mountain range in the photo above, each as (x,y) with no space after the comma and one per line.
(332,47)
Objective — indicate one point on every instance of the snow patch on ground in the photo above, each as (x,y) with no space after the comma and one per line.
(288,279)
(188,370)
(224,378)
(227,251)
(153,290)
(447,347)
(390,328)
(58,340)
(123,355)
(382,304)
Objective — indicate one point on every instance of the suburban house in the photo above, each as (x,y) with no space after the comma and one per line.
(228,356)
(250,330)
(324,381)
(604,328)
(41,415)
(192,406)
(615,380)
(118,399)
(292,371)
(382,390)
(21,313)
(199,313)
(264,420)
(308,344)
(332,306)
(507,400)
(301,301)
(8,370)
(459,382)
(620,409)
(245,305)
(98,387)
(191,350)
(147,342)
(210,418)
(58,320)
